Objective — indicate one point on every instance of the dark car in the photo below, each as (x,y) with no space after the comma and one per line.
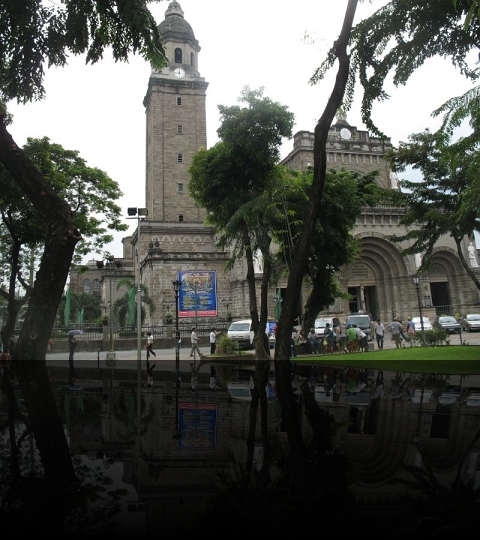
(448,323)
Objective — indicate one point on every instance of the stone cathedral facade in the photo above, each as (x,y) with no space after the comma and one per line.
(175,242)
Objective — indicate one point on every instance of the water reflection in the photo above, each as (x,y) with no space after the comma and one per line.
(388,423)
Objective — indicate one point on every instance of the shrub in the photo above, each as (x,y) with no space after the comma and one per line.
(226,345)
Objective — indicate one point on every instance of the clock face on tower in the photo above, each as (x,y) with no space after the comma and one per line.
(179,73)
(345,133)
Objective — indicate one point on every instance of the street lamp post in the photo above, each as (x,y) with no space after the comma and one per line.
(416,280)
(139,214)
(110,264)
(177,284)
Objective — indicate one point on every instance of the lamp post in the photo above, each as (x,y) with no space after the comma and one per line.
(177,284)
(139,214)
(110,264)
(416,280)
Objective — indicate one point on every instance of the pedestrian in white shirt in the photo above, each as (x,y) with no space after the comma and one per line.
(194,341)
(213,341)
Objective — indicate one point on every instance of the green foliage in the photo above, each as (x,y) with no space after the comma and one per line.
(121,305)
(226,345)
(39,34)
(398,39)
(333,244)
(446,201)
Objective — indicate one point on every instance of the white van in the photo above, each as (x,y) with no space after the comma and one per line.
(242,333)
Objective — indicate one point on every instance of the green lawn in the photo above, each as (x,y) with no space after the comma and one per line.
(453,360)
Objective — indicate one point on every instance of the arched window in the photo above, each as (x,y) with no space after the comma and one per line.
(192,60)
(96,287)
(86,286)
(178,56)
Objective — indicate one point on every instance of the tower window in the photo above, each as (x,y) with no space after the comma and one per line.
(178,55)
(179,158)
(179,130)
(86,286)
(96,287)
(192,60)
(180,217)
(179,100)
(180,187)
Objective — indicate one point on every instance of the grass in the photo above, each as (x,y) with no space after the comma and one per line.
(453,360)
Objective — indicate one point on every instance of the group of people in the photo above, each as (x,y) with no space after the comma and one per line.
(396,328)
(329,341)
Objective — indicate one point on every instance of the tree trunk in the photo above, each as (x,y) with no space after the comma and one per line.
(28,357)
(300,258)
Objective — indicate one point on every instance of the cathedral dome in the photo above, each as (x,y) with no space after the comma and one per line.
(175,27)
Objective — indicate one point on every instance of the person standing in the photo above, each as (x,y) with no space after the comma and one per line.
(194,342)
(213,341)
(328,337)
(352,342)
(410,330)
(213,378)
(313,342)
(150,345)
(395,327)
(72,345)
(380,334)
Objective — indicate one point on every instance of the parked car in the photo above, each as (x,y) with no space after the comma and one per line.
(363,320)
(471,322)
(427,325)
(322,394)
(321,324)
(427,394)
(473,398)
(449,398)
(448,323)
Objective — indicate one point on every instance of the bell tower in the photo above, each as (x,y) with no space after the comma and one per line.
(174,238)
(175,123)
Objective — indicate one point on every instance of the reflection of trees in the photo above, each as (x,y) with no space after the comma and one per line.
(125,410)
(30,506)
(276,503)
(438,509)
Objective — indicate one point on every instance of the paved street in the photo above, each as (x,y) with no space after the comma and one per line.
(165,360)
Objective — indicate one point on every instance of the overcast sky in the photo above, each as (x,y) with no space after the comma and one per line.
(98,110)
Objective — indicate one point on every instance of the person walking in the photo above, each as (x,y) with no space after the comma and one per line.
(150,345)
(194,342)
(380,334)
(194,378)
(402,334)
(213,341)
(149,373)
(395,327)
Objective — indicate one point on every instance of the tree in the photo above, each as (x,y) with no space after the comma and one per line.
(444,202)
(300,262)
(399,38)
(333,244)
(91,195)
(235,182)
(35,34)
(122,307)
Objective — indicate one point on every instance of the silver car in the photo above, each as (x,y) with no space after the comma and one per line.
(427,325)
(471,322)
